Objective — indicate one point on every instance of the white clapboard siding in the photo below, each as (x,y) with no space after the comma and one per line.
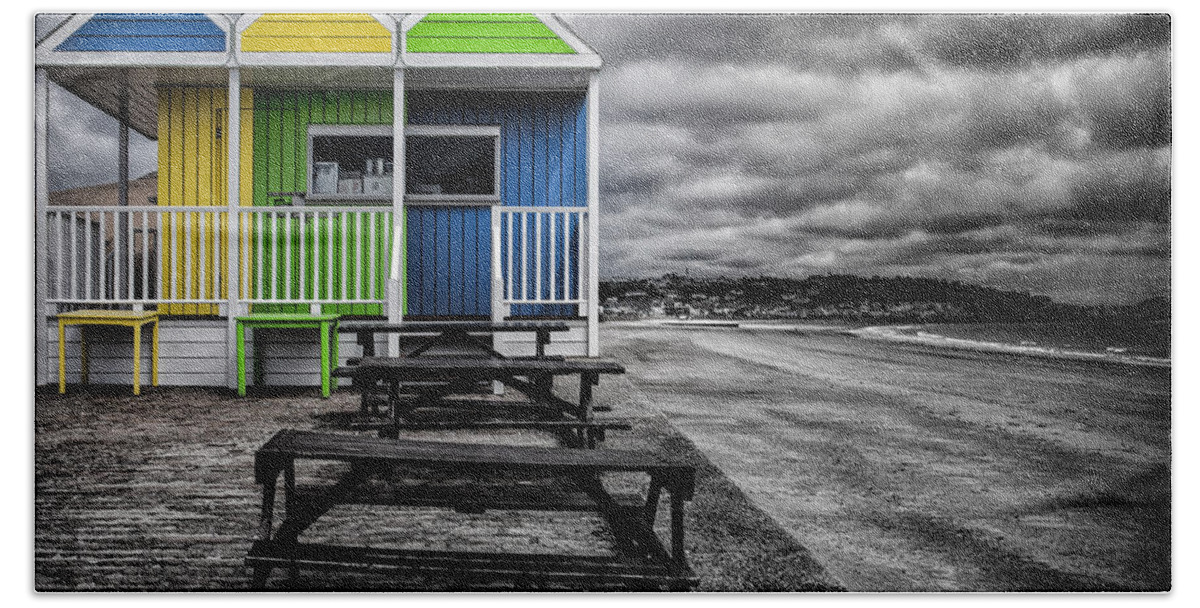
(292,357)
(570,343)
(190,353)
(193,352)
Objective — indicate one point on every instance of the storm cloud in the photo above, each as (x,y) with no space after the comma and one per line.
(1028,152)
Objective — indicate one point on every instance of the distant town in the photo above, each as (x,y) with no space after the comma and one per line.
(850,298)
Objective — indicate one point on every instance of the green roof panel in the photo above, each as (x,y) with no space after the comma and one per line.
(484,33)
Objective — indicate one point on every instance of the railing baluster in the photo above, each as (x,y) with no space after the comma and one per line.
(585,244)
(201,256)
(554,255)
(186,292)
(513,255)
(103,259)
(328,292)
(260,219)
(373,248)
(358,254)
(274,255)
(129,253)
(87,260)
(342,258)
(566,280)
(145,255)
(301,223)
(214,224)
(287,256)
(160,238)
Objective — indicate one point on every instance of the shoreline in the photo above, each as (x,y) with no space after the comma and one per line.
(895,333)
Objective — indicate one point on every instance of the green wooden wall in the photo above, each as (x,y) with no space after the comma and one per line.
(281,120)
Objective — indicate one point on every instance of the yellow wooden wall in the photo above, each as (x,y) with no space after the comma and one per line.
(192,173)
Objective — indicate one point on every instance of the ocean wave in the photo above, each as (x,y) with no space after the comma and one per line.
(906,333)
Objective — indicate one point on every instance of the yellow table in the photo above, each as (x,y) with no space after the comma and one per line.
(124,318)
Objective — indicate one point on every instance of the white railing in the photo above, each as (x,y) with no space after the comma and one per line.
(181,255)
(542,254)
(314,255)
(135,255)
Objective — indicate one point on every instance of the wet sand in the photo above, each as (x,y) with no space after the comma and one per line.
(907,467)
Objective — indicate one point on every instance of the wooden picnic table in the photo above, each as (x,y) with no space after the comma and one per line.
(451,333)
(439,376)
(641,559)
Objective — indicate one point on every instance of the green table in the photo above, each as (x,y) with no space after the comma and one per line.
(325,324)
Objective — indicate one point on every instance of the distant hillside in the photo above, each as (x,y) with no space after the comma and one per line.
(854,297)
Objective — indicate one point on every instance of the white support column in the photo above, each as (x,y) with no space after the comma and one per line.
(233,175)
(497,290)
(396,287)
(593,169)
(41,193)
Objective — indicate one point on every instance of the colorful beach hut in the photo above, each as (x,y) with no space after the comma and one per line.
(398,167)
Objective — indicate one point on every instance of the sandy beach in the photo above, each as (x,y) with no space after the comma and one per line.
(914,467)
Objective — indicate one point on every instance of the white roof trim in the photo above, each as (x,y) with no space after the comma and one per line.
(564,31)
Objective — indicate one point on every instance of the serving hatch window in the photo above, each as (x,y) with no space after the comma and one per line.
(350,162)
(444,163)
(459,163)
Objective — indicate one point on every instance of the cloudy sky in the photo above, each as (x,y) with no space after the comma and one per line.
(1024,152)
(1028,152)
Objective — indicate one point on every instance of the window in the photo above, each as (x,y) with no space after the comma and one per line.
(350,162)
(452,163)
(449,163)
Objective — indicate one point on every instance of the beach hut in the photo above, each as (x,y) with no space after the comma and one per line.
(384,166)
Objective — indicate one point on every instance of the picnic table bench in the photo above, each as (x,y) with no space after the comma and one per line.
(451,333)
(640,561)
(438,376)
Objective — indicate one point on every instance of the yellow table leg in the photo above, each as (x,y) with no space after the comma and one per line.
(83,350)
(62,357)
(154,354)
(137,359)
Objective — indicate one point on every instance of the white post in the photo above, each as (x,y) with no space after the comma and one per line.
(497,290)
(593,206)
(41,185)
(396,287)
(233,174)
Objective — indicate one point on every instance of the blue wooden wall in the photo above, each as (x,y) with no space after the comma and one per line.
(154,32)
(543,140)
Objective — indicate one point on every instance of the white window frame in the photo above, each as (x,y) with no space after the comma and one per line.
(326,130)
(343,131)
(492,131)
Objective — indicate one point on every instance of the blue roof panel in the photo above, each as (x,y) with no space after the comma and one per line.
(147,32)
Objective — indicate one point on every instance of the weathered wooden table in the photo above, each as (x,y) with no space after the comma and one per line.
(451,333)
(439,376)
(641,560)
(123,318)
(325,324)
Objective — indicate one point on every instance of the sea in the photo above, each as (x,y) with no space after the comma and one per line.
(1144,343)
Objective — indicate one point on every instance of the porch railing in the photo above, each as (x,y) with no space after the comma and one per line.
(302,255)
(543,253)
(169,256)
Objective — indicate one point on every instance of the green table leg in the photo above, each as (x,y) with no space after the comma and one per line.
(241,359)
(333,335)
(325,347)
